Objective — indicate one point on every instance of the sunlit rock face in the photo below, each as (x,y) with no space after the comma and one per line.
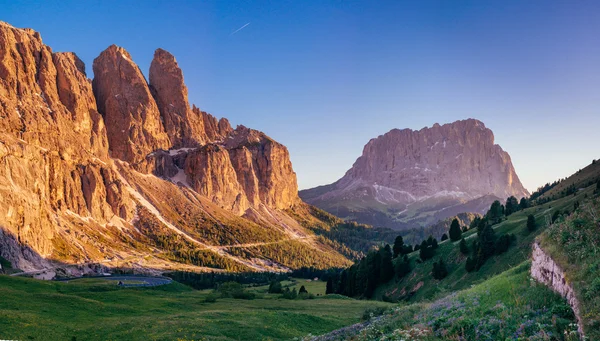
(432,172)
(134,125)
(85,165)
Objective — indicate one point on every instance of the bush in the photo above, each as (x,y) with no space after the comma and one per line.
(211,298)
(289,294)
(439,270)
(275,287)
(369,313)
(235,290)
(503,243)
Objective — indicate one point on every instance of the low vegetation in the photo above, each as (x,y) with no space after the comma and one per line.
(509,306)
(573,241)
(93,309)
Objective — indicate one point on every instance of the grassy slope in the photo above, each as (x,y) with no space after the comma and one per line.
(574,243)
(507,307)
(458,277)
(96,310)
(590,173)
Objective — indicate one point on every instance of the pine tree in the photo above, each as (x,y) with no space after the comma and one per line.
(470,264)
(531,224)
(512,206)
(464,248)
(439,270)
(444,237)
(398,246)
(386,268)
(496,212)
(402,267)
(524,203)
(329,286)
(302,290)
(455,232)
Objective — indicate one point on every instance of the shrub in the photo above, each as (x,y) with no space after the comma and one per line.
(289,294)
(439,270)
(369,313)
(464,248)
(211,298)
(275,287)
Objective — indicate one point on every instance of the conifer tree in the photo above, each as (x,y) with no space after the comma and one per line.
(398,246)
(464,248)
(531,224)
(455,232)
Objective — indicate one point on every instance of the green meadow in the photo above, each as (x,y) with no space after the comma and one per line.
(95,309)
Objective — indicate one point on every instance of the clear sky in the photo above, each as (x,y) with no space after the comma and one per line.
(325,77)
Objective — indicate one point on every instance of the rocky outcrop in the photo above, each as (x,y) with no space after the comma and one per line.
(545,270)
(184,126)
(124,100)
(434,168)
(216,130)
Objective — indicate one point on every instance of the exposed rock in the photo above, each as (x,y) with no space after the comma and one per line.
(432,168)
(271,167)
(134,126)
(184,126)
(211,174)
(545,270)
(78,196)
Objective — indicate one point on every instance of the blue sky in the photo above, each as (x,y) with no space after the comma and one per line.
(325,77)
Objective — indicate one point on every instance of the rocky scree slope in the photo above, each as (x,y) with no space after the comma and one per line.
(408,178)
(121,172)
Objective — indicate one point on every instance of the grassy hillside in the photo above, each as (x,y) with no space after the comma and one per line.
(95,310)
(420,284)
(574,243)
(582,178)
(507,307)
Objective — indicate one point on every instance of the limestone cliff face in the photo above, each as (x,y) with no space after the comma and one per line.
(53,147)
(124,100)
(89,172)
(440,166)
(211,174)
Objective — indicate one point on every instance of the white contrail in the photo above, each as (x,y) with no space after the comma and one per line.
(239,29)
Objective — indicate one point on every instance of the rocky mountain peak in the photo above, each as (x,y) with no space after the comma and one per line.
(135,127)
(452,163)
(184,126)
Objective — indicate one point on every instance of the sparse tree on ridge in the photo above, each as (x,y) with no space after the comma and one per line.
(398,246)
(524,203)
(512,206)
(455,232)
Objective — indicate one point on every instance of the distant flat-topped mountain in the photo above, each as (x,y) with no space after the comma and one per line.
(406,178)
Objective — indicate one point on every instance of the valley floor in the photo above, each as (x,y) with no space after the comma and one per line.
(94,309)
